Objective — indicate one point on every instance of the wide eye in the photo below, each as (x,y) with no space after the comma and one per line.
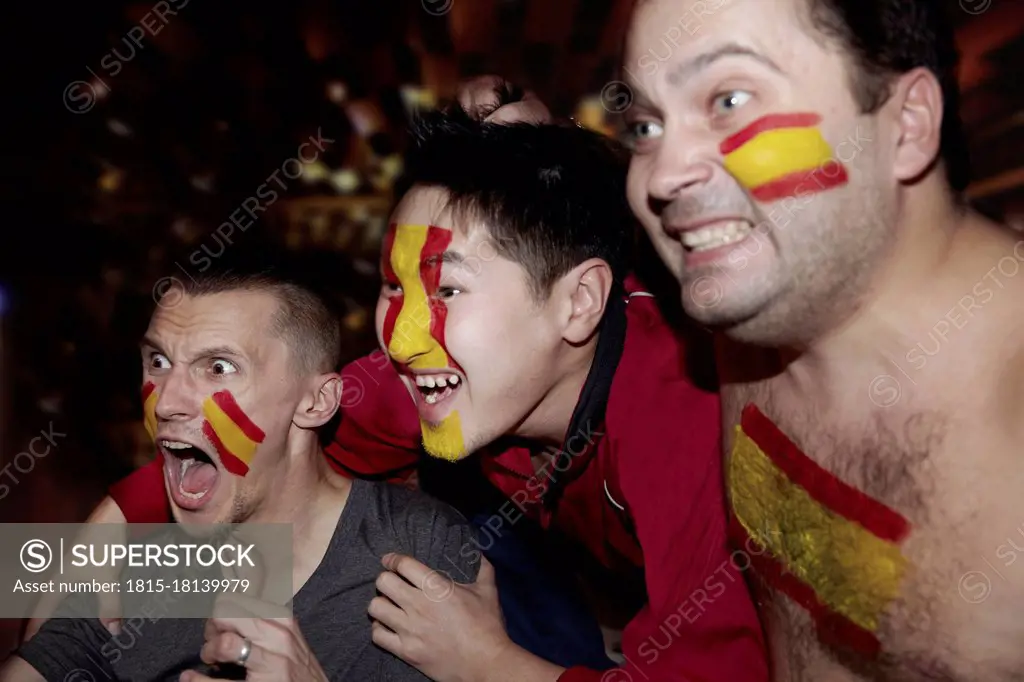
(391,289)
(222,366)
(725,103)
(159,361)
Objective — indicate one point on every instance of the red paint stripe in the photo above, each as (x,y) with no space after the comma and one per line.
(833,628)
(147,390)
(438,240)
(226,402)
(821,484)
(390,317)
(801,183)
(230,461)
(764,124)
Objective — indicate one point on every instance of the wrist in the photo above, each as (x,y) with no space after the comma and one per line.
(516,663)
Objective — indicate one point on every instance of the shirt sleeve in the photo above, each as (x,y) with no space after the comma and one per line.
(141,495)
(438,536)
(378,435)
(64,646)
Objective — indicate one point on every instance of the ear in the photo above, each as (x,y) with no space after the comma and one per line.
(320,403)
(919,119)
(587,287)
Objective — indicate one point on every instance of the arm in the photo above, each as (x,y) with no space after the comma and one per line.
(16,669)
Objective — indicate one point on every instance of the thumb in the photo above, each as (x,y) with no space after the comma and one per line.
(485,578)
(110,612)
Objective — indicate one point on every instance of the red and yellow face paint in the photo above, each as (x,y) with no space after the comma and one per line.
(783,155)
(225,425)
(826,545)
(231,432)
(414,324)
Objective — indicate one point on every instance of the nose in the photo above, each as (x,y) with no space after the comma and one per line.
(677,169)
(411,340)
(179,399)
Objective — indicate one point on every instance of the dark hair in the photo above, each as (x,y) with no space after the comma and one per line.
(552,196)
(885,38)
(304,319)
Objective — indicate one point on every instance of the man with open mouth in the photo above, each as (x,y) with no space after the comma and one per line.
(238,374)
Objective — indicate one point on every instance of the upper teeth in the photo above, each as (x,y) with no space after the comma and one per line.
(436,380)
(174,445)
(716,235)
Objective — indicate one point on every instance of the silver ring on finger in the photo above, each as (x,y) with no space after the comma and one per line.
(243,655)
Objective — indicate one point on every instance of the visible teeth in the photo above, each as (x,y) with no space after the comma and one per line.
(716,235)
(191,496)
(174,445)
(436,380)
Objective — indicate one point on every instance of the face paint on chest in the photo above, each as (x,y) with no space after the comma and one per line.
(826,545)
(149,398)
(414,324)
(783,155)
(231,432)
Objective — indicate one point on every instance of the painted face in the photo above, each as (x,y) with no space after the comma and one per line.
(218,397)
(760,184)
(827,546)
(460,324)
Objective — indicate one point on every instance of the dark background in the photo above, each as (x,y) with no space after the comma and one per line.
(106,196)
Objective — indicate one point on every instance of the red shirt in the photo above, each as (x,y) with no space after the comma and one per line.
(638,483)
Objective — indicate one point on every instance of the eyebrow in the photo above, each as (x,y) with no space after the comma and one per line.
(210,352)
(691,68)
(450,257)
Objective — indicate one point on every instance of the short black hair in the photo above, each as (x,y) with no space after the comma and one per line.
(886,38)
(552,195)
(304,318)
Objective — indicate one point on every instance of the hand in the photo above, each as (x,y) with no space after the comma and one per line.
(478,95)
(277,650)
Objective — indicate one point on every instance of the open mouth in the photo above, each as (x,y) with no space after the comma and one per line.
(435,392)
(192,474)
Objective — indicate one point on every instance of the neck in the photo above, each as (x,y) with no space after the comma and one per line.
(307,495)
(550,420)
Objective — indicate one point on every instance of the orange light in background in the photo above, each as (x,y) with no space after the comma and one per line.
(590,113)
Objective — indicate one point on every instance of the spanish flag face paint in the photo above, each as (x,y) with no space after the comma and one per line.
(232,433)
(829,547)
(783,155)
(149,398)
(414,324)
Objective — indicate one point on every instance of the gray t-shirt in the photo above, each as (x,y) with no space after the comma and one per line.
(331,607)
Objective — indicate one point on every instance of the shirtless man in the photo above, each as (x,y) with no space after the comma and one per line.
(806,194)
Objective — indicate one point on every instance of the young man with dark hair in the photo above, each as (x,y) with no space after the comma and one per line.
(238,374)
(517,333)
(799,165)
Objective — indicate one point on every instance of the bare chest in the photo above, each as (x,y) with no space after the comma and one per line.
(873,541)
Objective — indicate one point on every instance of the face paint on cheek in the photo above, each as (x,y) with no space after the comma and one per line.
(414,324)
(826,545)
(232,433)
(149,398)
(783,155)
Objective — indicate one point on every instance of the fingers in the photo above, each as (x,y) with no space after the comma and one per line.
(385,639)
(486,575)
(396,589)
(193,676)
(227,647)
(407,567)
(526,111)
(479,94)
(384,610)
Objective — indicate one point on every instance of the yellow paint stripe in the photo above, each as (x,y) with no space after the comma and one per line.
(853,572)
(411,337)
(444,440)
(776,153)
(149,413)
(233,438)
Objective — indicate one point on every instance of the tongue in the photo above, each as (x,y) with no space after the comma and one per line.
(199,478)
